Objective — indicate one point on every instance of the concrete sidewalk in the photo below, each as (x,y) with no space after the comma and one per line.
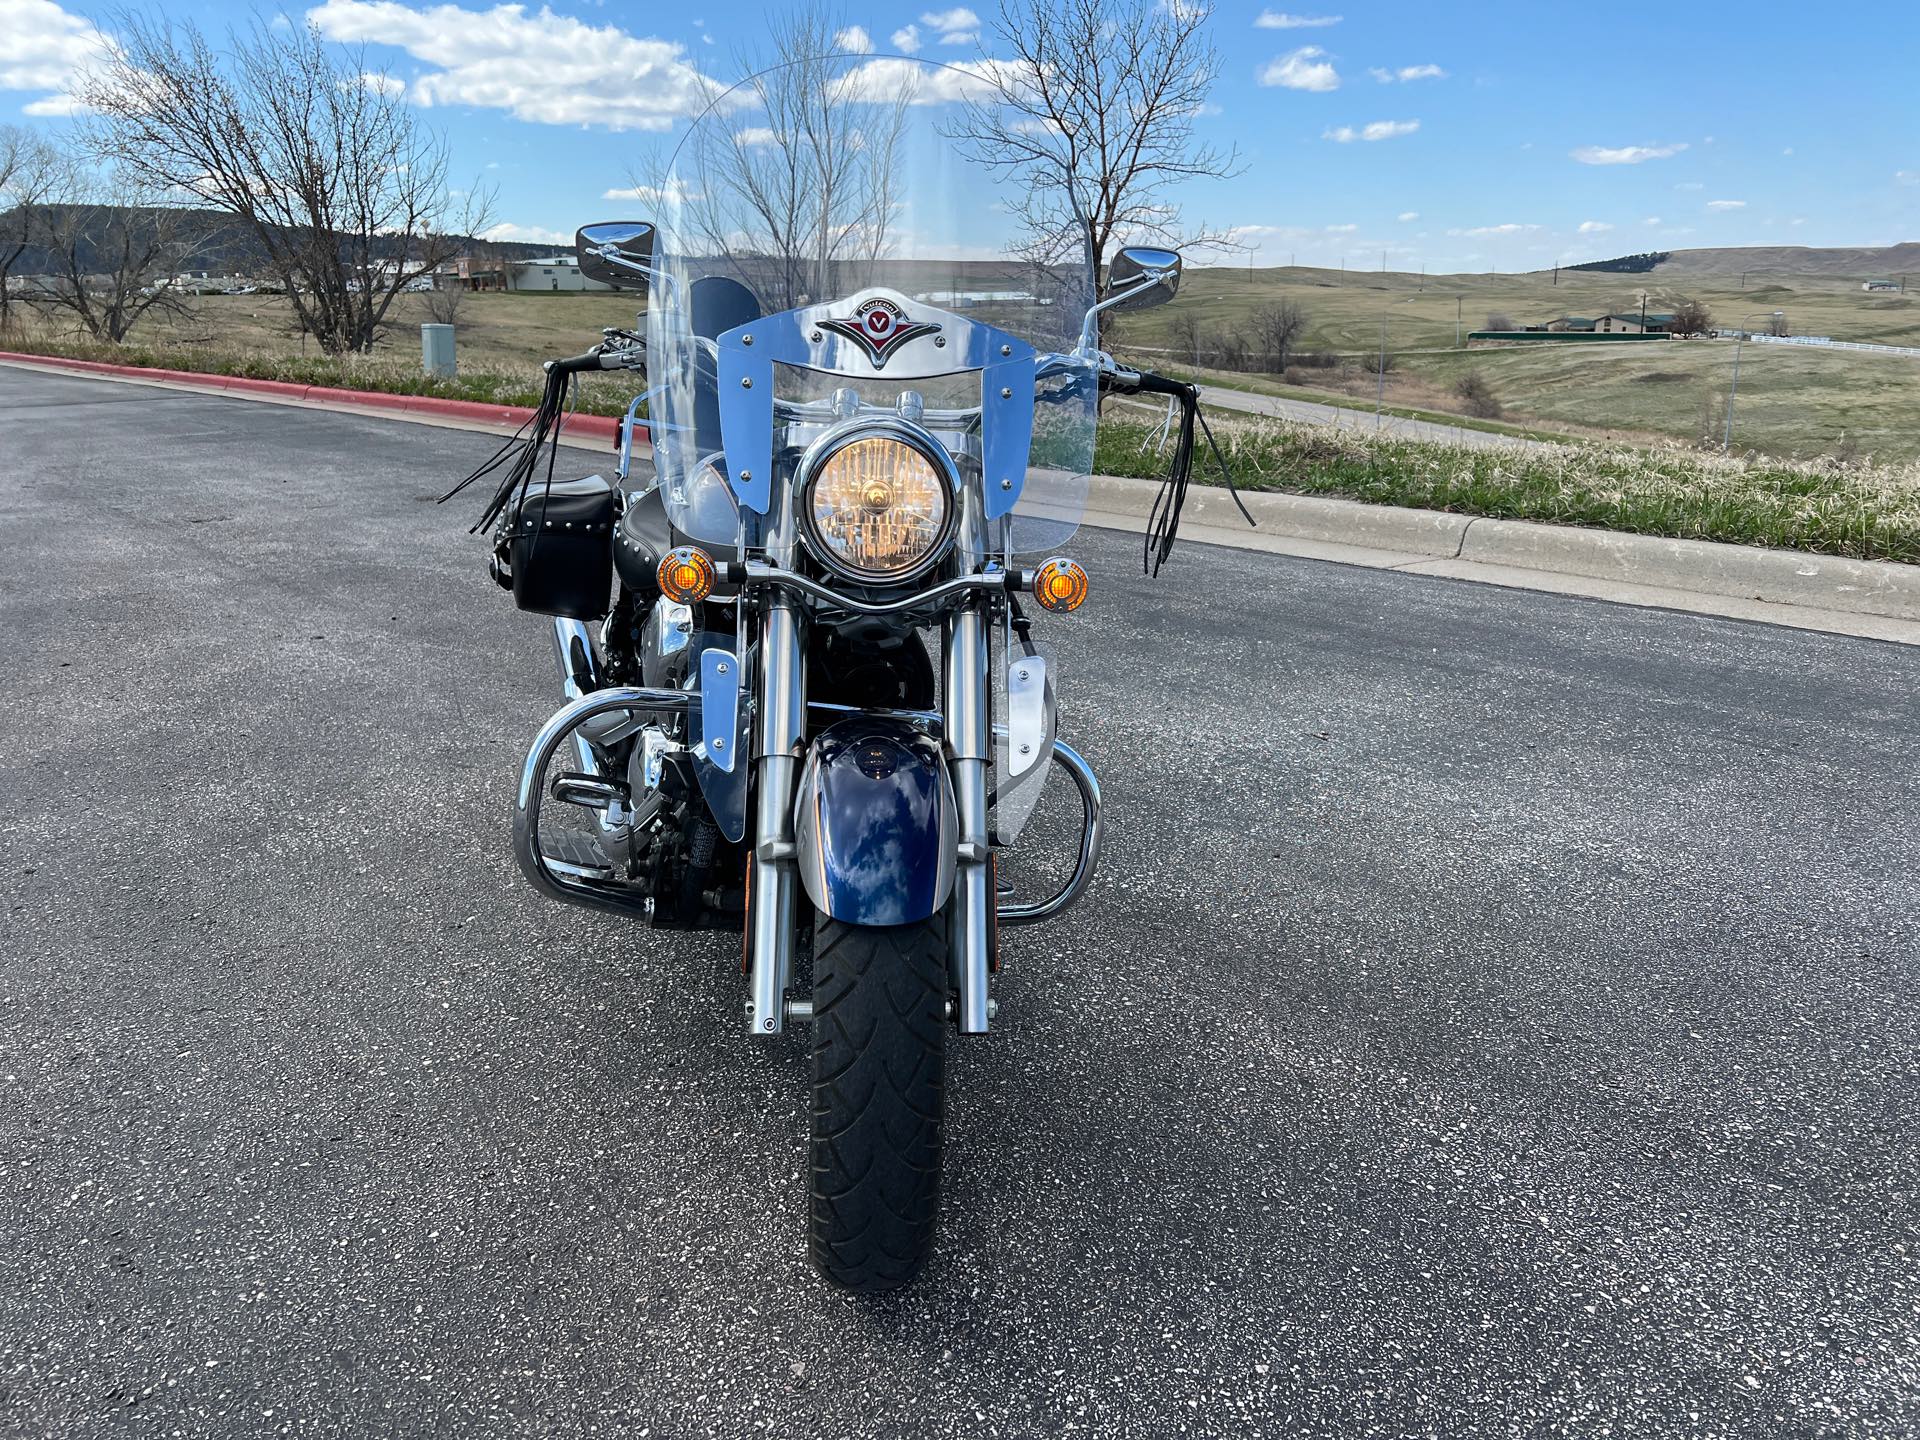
(1872,598)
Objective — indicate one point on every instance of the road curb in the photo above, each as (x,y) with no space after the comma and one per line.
(1392,536)
(1790,586)
(422,407)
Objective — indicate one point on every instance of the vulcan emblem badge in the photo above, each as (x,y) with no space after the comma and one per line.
(879,327)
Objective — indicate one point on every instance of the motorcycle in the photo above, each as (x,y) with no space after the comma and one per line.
(863,441)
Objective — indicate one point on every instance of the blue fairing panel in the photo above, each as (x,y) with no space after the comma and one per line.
(874,825)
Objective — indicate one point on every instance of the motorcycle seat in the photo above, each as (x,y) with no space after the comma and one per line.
(645,534)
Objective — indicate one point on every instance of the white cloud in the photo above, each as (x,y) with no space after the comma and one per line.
(1726,204)
(1406,73)
(1625,154)
(1906,177)
(546,68)
(651,194)
(958,26)
(526,234)
(1280,20)
(855,40)
(889,78)
(383,84)
(1341,229)
(907,40)
(1508,229)
(1651,220)
(1690,185)
(755,135)
(1594,227)
(1303,69)
(1406,216)
(1374,130)
(42,47)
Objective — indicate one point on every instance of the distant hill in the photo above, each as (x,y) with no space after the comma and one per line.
(1838,262)
(1627,264)
(221,246)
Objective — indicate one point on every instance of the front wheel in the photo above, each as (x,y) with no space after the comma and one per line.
(879,1096)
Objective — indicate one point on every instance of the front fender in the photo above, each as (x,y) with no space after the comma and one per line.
(875,829)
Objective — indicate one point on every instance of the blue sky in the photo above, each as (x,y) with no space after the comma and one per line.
(1496,135)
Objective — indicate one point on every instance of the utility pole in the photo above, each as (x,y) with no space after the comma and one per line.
(1380,391)
(1423,277)
(1556,275)
(1643,312)
(1458,301)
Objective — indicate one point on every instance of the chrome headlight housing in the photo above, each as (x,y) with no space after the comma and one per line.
(878,501)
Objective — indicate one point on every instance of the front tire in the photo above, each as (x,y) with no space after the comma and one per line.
(879,1097)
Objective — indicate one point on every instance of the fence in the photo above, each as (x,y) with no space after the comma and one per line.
(1826,342)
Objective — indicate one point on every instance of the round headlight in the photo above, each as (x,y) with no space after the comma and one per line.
(879,507)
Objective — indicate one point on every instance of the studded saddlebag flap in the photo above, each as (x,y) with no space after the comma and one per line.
(560,543)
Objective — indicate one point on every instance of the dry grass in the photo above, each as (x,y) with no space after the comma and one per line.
(1864,510)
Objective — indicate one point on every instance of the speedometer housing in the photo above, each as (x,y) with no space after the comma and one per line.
(879,501)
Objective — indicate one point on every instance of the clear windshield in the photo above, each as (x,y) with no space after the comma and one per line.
(842,194)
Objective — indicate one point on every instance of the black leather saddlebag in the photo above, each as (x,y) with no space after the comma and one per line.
(559,547)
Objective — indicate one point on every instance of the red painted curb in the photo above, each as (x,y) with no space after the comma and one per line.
(599,427)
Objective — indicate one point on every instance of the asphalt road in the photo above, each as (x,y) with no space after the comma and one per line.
(1252,402)
(1496,1016)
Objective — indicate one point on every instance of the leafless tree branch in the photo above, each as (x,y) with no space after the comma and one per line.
(325,164)
(1091,121)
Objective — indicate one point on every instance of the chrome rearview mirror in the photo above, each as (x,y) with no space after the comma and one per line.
(616,252)
(1142,276)
(1138,278)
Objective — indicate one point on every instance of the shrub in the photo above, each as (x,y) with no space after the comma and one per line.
(1477,395)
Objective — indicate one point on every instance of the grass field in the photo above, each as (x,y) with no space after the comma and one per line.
(1868,512)
(1345,311)
(1792,402)
(1860,508)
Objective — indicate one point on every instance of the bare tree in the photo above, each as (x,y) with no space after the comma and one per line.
(324,163)
(30,168)
(1276,328)
(114,259)
(1500,320)
(801,177)
(1691,317)
(443,303)
(1093,120)
(1185,336)
(1476,396)
(1777,325)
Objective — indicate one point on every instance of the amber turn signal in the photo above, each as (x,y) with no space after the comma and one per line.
(1060,584)
(686,574)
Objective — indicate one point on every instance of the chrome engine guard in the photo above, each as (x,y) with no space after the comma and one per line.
(560,881)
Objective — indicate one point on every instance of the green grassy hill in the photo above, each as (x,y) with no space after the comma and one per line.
(1345,311)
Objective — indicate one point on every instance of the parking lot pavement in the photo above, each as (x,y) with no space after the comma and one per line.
(1496,1014)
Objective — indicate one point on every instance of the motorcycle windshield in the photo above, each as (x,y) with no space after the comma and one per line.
(832,241)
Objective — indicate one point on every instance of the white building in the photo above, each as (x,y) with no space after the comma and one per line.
(551,272)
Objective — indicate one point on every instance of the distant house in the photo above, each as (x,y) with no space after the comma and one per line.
(470,272)
(1571,322)
(1633,325)
(551,272)
(1879,285)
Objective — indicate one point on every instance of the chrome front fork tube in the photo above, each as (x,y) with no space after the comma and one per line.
(969,738)
(782,690)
